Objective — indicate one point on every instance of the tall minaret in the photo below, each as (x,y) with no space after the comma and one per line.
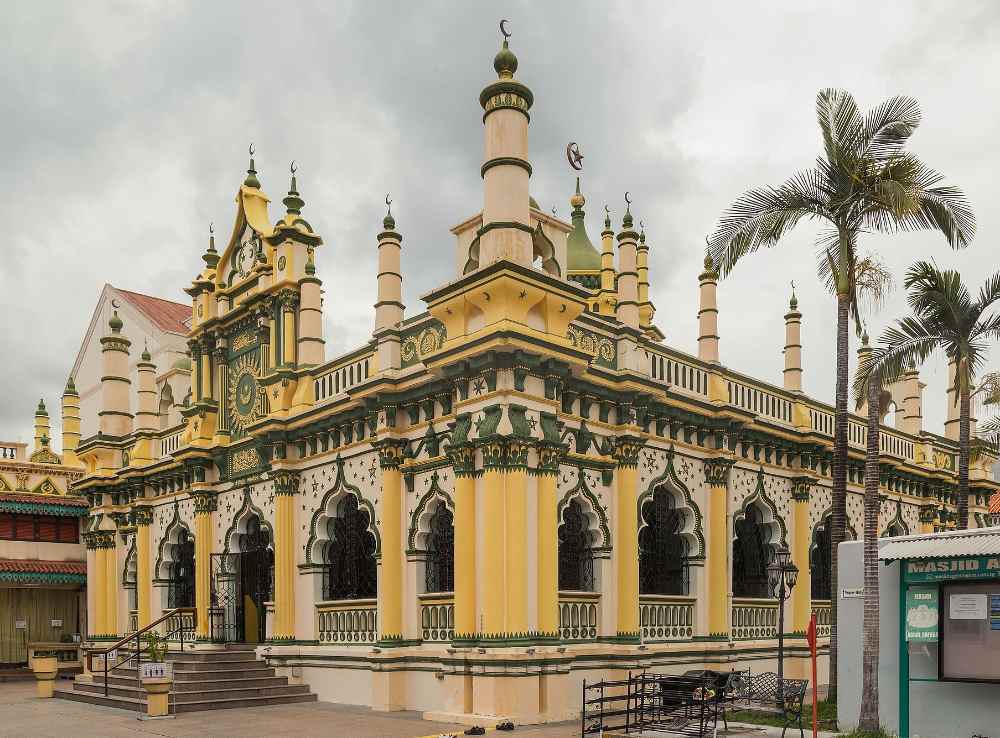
(912,402)
(708,313)
(115,414)
(793,345)
(628,278)
(147,417)
(646,309)
(42,431)
(70,424)
(608,296)
(389,308)
(506,231)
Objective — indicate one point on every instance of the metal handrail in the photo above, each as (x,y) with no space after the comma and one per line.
(138,650)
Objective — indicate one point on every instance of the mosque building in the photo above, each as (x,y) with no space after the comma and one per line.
(517,488)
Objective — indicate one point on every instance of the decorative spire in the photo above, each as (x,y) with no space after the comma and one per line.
(251,180)
(505,63)
(211,256)
(607,218)
(115,323)
(793,304)
(627,219)
(310,264)
(642,232)
(45,440)
(41,409)
(388,222)
(145,352)
(293,203)
(577,200)
(708,263)
(70,387)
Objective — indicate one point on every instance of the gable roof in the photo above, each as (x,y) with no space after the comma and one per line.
(165,314)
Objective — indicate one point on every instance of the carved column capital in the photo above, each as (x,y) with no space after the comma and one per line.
(391,453)
(205,502)
(801,488)
(286,482)
(142,515)
(717,471)
(626,450)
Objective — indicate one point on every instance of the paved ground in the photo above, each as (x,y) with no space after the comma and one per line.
(22,715)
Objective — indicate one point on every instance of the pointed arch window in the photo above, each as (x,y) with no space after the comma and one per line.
(894,531)
(576,555)
(663,550)
(351,570)
(180,572)
(751,555)
(820,560)
(439,568)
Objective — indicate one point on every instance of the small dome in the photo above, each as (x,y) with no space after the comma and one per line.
(115,323)
(581,256)
(505,63)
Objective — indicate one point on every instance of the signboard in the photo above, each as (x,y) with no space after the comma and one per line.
(155,670)
(852,594)
(20,624)
(56,623)
(967,607)
(939,570)
(921,614)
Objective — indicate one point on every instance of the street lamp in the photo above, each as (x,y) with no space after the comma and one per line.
(781,577)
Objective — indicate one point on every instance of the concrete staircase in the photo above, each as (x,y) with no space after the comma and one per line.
(203,680)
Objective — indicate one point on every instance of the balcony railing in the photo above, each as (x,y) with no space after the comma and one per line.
(343,376)
(666,618)
(821,609)
(170,442)
(437,617)
(754,619)
(760,401)
(578,615)
(683,376)
(348,622)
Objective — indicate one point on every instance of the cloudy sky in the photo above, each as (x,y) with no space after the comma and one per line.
(125,126)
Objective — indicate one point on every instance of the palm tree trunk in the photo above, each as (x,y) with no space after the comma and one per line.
(963,443)
(839,512)
(868,720)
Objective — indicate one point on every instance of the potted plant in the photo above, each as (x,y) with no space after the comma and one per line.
(45,665)
(156,676)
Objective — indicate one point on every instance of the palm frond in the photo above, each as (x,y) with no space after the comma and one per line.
(840,123)
(888,126)
(989,293)
(873,282)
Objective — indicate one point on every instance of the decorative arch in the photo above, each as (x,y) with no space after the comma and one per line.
(850,532)
(419,529)
(170,536)
(898,523)
(771,517)
(596,516)
(129,567)
(692,530)
(241,517)
(327,509)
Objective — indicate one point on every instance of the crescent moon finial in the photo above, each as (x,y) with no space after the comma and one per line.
(607,211)
(793,285)
(574,156)
(292,167)
(211,227)
(388,204)
(503,29)
(251,149)
(641,226)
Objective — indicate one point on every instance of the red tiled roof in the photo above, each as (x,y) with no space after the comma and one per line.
(995,503)
(38,566)
(166,315)
(66,500)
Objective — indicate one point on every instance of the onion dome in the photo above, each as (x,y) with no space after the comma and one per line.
(211,256)
(505,63)
(41,411)
(581,256)
(115,323)
(251,180)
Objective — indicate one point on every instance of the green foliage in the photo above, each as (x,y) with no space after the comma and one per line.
(826,716)
(157,647)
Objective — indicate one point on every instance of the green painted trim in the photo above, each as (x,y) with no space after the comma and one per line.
(43,508)
(505,160)
(42,577)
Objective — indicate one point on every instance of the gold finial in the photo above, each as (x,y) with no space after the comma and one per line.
(388,222)
(794,302)
(709,266)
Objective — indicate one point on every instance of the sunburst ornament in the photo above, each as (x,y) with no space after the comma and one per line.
(244,390)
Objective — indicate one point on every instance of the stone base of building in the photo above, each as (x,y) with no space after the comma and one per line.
(528,685)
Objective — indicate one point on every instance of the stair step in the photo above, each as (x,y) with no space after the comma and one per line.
(228,704)
(219,690)
(190,685)
(257,670)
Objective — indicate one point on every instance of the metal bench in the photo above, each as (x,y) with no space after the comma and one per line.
(766,693)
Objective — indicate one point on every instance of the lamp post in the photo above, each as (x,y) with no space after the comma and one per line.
(781,577)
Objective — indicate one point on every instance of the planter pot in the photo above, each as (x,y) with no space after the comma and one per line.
(158,696)
(46,668)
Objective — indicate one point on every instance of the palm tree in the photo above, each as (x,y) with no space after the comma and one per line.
(945,317)
(864,181)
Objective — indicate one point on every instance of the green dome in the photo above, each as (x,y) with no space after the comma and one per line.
(505,63)
(581,256)
(183,363)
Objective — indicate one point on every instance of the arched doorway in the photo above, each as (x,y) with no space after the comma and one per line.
(663,550)
(439,569)
(576,551)
(752,553)
(256,580)
(351,571)
(180,572)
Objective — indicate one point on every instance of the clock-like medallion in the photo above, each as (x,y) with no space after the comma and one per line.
(244,390)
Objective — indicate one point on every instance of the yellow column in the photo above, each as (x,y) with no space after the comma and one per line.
(717,567)
(110,583)
(390,585)
(206,373)
(463,462)
(143,564)
(286,485)
(494,589)
(288,332)
(927,517)
(626,455)
(548,542)
(516,493)
(204,508)
(95,576)
(801,539)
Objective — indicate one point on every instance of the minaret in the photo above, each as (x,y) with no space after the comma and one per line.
(708,313)
(628,282)
(389,308)
(147,418)
(793,345)
(912,402)
(115,414)
(41,426)
(646,308)
(506,232)
(70,424)
(608,295)
(311,346)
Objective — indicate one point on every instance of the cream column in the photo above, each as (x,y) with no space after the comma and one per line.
(147,416)
(793,346)
(492,569)
(801,541)
(222,391)
(626,455)
(95,586)
(143,517)
(717,567)
(628,278)
(70,424)
(646,309)
(708,313)
(390,580)
(506,232)
(205,504)
(389,306)
(286,486)
(463,458)
(912,402)
(206,376)
(110,547)
(312,347)
(608,296)
(115,413)
(548,541)
(289,303)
